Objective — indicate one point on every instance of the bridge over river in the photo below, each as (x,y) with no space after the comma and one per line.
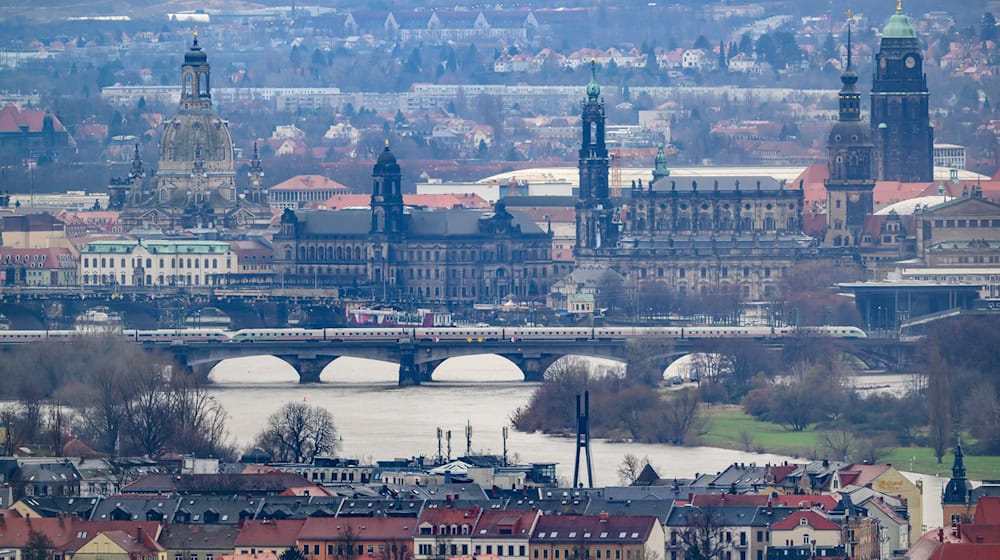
(418,359)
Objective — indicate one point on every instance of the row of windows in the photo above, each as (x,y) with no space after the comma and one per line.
(967,223)
(566,553)
(314,550)
(703,272)
(17,258)
(174,262)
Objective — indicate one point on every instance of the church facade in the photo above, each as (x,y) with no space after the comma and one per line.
(733,235)
(392,253)
(194,185)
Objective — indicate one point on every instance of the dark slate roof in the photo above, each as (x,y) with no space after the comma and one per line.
(419,222)
(217,483)
(189,537)
(135,508)
(299,507)
(657,508)
(568,506)
(369,507)
(335,222)
(52,506)
(727,516)
(223,510)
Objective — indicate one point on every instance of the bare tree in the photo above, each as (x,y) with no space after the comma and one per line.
(11,416)
(938,403)
(200,419)
(149,415)
(838,444)
(298,433)
(703,533)
(630,468)
(682,416)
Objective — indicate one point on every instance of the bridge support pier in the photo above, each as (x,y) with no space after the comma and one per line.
(409,373)
(309,369)
(533,366)
(201,371)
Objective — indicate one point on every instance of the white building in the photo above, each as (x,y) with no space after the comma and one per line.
(951,156)
(161,262)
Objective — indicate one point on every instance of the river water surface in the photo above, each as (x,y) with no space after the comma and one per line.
(378,420)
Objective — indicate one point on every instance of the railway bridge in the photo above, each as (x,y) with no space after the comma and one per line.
(418,359)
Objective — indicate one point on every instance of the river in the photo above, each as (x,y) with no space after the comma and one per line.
(378,420)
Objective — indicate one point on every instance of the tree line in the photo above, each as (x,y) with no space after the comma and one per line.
(121,399)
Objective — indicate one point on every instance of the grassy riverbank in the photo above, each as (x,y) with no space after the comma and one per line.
(728,424)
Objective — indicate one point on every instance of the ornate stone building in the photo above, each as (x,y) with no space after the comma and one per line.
(195,181)
(900,105)
(713,234)
(394,253)
(851,162)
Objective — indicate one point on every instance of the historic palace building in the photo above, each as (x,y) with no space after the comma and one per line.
(394,253)
(900,105)
(725,234)
(195,182)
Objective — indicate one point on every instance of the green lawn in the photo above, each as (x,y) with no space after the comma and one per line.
(726,424)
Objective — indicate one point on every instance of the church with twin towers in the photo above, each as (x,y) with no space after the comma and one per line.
(739,234)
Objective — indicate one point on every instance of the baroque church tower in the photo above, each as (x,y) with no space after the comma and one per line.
(851,163)
(194,185)
(596,230)
(900,105)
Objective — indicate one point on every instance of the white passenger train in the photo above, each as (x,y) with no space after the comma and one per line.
(438,334)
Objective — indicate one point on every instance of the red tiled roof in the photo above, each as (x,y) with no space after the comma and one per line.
(887,192)
(814,519)
(966,551)
(862,474)
(362,528)
(46,259)
(813,224)
(823,501)
(270,532)
(12,119)
(988,510)
(449,516)
(519,523)
(64,532)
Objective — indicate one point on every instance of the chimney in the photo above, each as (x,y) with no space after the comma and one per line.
(138,535)
(604,517)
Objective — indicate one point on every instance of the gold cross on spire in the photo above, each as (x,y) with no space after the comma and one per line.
(195,33)
(899,5)
(849,14)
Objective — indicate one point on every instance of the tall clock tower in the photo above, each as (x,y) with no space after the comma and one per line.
(596,226)
(851,162)
(900,107)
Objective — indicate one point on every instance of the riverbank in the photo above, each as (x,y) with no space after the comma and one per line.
(731,428)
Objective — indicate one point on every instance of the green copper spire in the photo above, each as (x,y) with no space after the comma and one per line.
(899,25)
(593,90)
(660,169)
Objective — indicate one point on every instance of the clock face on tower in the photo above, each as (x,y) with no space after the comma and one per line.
(910,61)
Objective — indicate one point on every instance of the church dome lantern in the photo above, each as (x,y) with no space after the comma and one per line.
(899,26)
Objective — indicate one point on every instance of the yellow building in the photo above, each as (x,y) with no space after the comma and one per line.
(119,545)
(886,479)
